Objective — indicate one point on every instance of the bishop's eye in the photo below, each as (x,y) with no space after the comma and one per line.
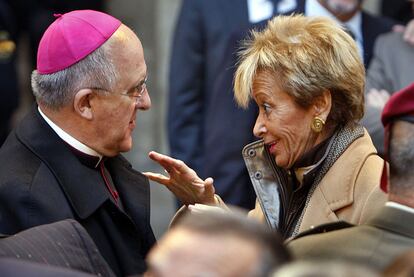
(139,89)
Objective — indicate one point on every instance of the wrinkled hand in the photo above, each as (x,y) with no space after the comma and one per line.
(377,98)
(182,181)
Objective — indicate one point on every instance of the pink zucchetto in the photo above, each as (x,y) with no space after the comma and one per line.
(73,36)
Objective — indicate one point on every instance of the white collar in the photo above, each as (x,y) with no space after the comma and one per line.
(354,24)
(71,140)
(399,206)
(259,10)
(314,8)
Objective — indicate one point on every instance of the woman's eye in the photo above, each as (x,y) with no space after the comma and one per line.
(267,109)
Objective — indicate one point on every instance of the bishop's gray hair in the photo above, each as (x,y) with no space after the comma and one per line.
(57,89)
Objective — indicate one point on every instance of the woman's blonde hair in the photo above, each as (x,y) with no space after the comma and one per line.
(306,56)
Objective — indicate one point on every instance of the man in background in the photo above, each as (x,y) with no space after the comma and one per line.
(390,70)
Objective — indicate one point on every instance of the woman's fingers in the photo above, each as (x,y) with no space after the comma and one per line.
(182,180)
(163,160)
(157,177)
(169,163)
(208,185)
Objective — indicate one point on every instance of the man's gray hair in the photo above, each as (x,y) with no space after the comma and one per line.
(57,89)
(219,224)
(401,157)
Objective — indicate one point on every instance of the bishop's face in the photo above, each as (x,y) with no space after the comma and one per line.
(115,113)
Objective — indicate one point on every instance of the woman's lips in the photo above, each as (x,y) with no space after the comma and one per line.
(272,147)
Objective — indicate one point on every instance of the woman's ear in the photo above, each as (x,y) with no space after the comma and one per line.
(323,105)
(82,104)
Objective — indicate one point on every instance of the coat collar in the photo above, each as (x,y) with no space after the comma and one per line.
(329,198)
(338,197)
(394,220)
(84,194)
(82,185)
(133,188)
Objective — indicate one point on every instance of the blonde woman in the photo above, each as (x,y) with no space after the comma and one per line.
(314,163)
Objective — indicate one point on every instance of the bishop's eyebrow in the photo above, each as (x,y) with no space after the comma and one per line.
(143,81)
(140,84)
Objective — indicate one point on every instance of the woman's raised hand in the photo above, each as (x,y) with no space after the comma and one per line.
(182,181)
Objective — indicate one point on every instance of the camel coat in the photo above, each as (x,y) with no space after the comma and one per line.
(349,191)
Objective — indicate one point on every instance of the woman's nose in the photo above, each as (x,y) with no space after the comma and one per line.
(259,129)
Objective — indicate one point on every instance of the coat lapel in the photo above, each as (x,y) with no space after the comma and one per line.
(328,197)
(84,194)
(133,187)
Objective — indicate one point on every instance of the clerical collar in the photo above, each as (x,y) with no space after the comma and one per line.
(71,141)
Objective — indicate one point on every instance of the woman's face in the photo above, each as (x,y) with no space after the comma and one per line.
(284,126)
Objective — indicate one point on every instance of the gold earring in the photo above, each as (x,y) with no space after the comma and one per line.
(317,124)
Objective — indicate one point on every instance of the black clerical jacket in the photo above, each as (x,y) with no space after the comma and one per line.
(42,181)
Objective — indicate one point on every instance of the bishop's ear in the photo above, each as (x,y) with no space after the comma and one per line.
(82,103)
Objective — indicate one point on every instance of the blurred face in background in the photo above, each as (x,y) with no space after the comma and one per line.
(342,8)
(188,253)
